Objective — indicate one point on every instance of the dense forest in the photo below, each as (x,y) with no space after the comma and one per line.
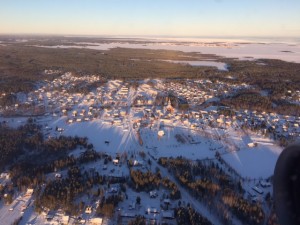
(28,138)
(221,192)
(61,193)
(252,100)
(187,215)
(149,181)
(14,141)
(44,156)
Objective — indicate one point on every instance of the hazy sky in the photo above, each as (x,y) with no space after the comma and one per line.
(152,17)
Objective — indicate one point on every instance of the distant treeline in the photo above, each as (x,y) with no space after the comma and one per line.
(255,101)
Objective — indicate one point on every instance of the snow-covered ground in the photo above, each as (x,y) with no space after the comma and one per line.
(256,162)
(137,129)
(252,162)
(12,212)
(98,132)
(168,146)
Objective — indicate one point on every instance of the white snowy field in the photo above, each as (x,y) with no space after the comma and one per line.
(98,133)
(255,162)
(243,50)
(195,147)
(119,141)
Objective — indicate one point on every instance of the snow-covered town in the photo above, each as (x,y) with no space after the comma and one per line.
(143,128)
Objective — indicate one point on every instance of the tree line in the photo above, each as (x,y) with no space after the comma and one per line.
(149,181)
(209,183)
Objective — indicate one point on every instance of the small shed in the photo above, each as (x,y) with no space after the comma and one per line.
(252,145)
(160,133)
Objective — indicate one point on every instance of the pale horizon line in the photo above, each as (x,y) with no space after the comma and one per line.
(146,35)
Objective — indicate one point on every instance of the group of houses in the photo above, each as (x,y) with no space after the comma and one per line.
(112,102)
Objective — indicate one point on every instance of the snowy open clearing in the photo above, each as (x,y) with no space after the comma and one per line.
(252,162)
(258,162)
(98,133)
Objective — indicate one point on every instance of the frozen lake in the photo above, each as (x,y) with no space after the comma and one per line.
(220,65)
(240,50)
